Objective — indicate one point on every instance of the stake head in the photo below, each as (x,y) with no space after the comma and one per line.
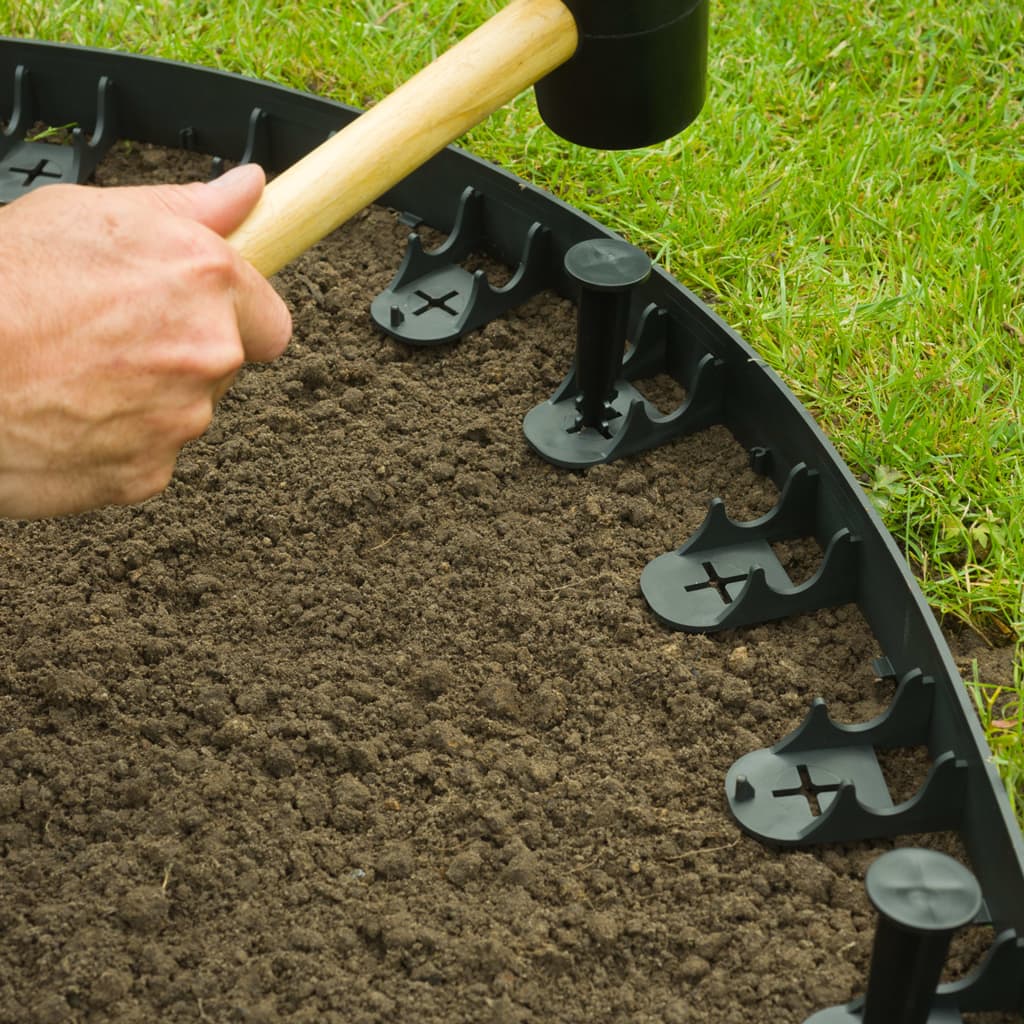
(923,891)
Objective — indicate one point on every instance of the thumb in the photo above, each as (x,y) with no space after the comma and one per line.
(221,205)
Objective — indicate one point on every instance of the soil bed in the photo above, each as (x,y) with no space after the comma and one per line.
(365,718)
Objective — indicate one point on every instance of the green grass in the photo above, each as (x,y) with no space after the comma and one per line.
(851,195)
(1002,711)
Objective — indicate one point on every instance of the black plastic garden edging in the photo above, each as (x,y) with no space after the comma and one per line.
(725,575)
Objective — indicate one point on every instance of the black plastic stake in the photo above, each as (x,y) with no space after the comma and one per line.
(624,421)
(922,898)
(606,269)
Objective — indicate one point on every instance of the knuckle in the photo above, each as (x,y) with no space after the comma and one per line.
(195,420)
(135,484)
(232,358)
(155,480)
(209,356)
(155,483)
(214,263)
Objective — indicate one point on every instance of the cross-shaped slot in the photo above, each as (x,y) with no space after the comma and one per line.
(39,171)
(809,790)
(436,302)
(716,582)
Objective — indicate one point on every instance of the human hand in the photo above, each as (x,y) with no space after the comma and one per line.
(126,317)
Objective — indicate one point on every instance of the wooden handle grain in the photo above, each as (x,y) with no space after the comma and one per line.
(507,54)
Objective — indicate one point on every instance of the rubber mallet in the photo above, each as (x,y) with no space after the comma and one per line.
(610,74)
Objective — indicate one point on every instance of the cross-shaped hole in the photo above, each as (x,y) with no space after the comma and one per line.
(39,171)
(716,582)
(435,302)
(809,790)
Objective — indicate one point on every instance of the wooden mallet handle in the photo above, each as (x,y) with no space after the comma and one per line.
(507,54)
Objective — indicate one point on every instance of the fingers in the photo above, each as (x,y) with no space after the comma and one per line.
(221,204)
(264,321)
(155,314)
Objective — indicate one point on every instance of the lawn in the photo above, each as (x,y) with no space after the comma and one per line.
(851,197)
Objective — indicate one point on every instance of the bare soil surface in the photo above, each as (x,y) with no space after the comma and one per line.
(365,719)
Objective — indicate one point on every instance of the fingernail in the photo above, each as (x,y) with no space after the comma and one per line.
(229,178)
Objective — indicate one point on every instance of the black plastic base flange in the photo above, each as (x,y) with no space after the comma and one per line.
(853,1013)
(997,983)
(433,300)
(636,423)
(727,575)
(823,783)
(26,166)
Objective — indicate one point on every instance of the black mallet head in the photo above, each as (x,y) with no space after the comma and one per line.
(638,75)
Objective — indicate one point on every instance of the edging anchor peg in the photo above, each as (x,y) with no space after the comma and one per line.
(606,269)
(923,898)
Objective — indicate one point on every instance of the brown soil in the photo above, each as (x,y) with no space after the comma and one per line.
(365,719)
